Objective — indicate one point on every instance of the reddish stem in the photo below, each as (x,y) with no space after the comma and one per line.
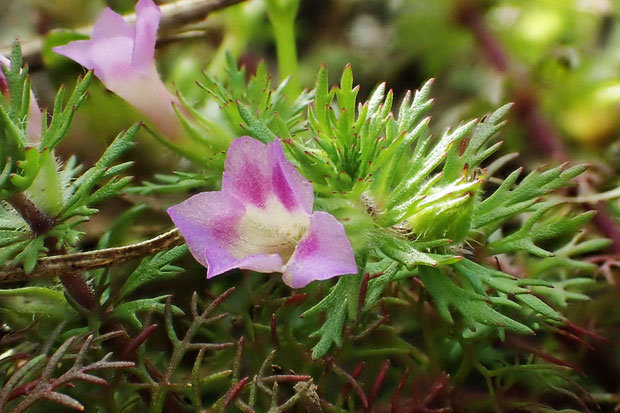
(296,299)
(363,290)
(377,385)
(234,392)
(132,346)
(607,224)
(395,406)
(352,381)
(286,378)
(36,219)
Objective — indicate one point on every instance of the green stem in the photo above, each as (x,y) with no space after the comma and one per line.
(282,18)
(240,24)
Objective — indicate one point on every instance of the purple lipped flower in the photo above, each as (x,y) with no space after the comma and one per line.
(262,220)
(33,128)
(122,57)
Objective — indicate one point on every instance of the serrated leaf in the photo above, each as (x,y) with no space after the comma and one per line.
(474,308)
(331,330)
(343,296)
(179,182)
(128,312)
(389,272)
(81,188)
(62,116)
(156,268)
(562,292)
(404,253)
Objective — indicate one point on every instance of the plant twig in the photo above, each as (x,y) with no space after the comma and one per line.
(594,198)
(174,15)
(61,264)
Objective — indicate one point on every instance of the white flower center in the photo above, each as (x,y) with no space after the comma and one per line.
(271,230)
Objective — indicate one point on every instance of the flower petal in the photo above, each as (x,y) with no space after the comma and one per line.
(110,58)
(209,223)
(111,24)
(324,252)
(147,21)
(147,93)
(254,173)
(247,172)
(4,87)
(78,50)
(207,219)
(265,263)
(292,189)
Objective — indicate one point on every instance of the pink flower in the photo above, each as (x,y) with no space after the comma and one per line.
(4,87)
(122,57)
(262,220)
(33,128)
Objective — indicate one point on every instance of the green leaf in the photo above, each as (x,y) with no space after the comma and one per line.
(409,115)
(402,252)
(44,304)
(532,231)
(62,117)
(562,292)
(30,253)
(340,304)
(331,330)
(29,169)
(390,271)
(255,127)
(474,308)
(156,268)
(425,164)
(506,202)
(477,148)
(178,182)
(539,306)
(82,187)
(128,312)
